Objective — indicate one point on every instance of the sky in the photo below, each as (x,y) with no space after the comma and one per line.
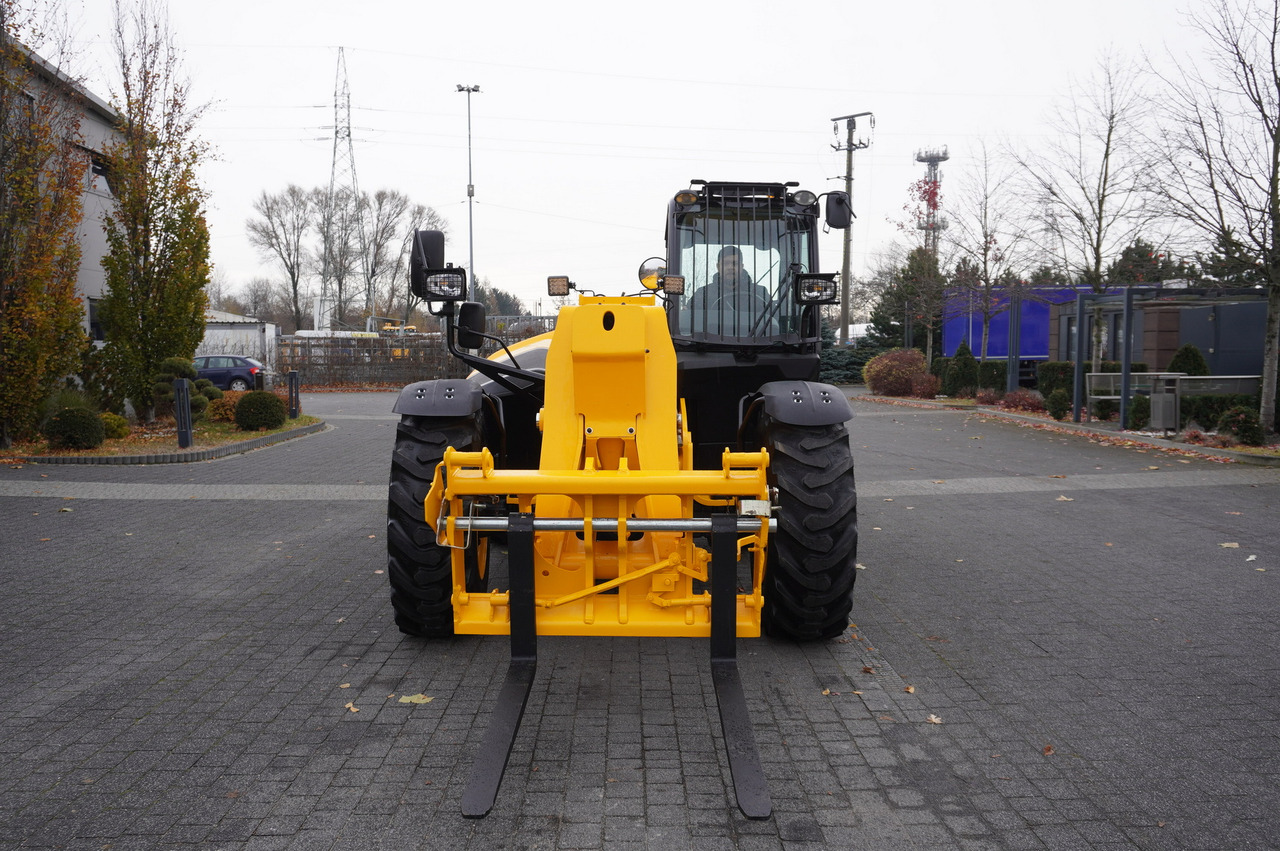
(591,115)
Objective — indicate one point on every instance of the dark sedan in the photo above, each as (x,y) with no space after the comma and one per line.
(230,372)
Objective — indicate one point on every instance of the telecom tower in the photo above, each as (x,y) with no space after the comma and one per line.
(341,215)
(933,224)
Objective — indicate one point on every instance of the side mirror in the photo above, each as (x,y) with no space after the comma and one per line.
(471,325)
(651,272)
(839,210)
(429,278)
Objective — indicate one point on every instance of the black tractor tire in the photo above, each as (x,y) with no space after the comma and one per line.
(812,562)
(418,568)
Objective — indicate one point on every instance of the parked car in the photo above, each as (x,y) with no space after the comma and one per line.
(230,372)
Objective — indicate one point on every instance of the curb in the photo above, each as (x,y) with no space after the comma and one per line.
(1077,428)
(181,457)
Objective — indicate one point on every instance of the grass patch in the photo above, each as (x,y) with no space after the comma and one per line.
(160,438)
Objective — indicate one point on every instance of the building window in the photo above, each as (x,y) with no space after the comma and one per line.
(95,325)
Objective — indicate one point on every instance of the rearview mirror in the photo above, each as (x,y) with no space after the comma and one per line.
(839,210)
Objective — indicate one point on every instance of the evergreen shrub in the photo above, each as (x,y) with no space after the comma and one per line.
(1139,412)
(74,428)
(992,374)
(259,409)
(1244,423)
(114,426)
(962,377)
(1058,403)
(1189,359)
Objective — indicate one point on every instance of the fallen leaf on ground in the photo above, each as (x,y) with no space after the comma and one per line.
(345,685)
(1066,499)
(867,669)
(1252,558)
(1048,750)
(352,707)
(910,689)
(1230,546)
(416,698)
(934,719)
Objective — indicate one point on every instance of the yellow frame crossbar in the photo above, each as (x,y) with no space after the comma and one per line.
(606,580)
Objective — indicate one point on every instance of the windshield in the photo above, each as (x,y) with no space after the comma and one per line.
(739,266)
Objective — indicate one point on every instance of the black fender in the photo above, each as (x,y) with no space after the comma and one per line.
(802,403)
(443,397)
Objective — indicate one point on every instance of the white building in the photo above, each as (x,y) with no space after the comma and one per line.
(97,130)
(232,334)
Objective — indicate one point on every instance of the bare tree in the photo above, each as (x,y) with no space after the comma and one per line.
(1220,148)
(989,234)
(280,232)
(339,257)
(1087,184)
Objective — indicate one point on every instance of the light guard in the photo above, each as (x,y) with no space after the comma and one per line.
(816,288)
(440,284)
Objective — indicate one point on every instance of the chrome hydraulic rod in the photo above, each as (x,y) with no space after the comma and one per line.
(634,524)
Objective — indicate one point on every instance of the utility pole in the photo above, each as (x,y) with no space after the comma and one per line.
(850,145)
(471,196)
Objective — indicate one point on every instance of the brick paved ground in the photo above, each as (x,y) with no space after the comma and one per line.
(181,644)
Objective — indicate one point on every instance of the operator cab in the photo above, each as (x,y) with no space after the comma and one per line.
(747,253)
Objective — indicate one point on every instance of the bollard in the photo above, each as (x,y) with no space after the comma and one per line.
(295,404)
(182,411)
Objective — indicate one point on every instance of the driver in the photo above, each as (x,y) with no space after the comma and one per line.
(730,287)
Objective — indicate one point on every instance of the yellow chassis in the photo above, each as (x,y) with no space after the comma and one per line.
(613,501)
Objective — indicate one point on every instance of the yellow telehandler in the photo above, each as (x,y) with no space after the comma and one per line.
(661,464)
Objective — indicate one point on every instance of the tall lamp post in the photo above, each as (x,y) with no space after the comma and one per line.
(471,195)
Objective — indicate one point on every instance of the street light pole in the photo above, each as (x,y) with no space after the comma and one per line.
(471,195)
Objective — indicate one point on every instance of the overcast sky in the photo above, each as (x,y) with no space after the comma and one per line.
(591,115)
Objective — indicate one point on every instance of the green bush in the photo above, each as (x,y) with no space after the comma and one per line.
(208,389)
(1105,409)
(1188,359)
(259,409)
(1052,375)
(891,373)
(1244,423)
(114,426)
(1058,403)
(962,377)
(1207,410)
(939,367)
(843,364)
(992,374)
(1139,412)
(162,390)
(74,428)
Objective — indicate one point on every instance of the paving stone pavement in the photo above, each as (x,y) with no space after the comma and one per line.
(186,647)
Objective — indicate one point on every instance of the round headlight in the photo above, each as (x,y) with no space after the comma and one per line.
(804,198)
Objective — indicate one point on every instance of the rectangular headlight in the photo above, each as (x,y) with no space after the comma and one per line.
(673,284)
(815,288)
(558,285)
(445,285)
